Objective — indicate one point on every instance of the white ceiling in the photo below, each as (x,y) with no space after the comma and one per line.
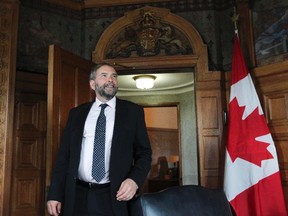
(165,83)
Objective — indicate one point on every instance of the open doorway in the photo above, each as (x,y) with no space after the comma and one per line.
(179,97)
(163,130)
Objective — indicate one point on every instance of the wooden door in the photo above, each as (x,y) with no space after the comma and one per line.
(68,86)
(28,165)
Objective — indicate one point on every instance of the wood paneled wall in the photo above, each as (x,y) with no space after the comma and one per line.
(8,43)
(272,85)
(29,143)
(211,141)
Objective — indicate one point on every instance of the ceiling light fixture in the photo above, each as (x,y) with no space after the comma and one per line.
(144,81)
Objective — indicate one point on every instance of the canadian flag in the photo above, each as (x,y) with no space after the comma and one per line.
(251,180)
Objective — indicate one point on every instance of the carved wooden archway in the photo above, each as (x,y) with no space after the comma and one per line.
(198,58)
(207,83)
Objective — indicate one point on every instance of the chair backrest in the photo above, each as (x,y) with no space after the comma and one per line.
(188,200)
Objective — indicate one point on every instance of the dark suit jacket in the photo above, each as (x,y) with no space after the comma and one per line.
(130,154)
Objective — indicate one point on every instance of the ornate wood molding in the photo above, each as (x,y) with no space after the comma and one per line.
(94,9)
(8,42)
(105,3)
(181,5)
(197,58)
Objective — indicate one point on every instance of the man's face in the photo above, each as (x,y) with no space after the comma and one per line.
(105,84)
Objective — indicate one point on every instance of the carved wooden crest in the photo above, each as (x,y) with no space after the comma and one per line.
(151,37)
(148,35)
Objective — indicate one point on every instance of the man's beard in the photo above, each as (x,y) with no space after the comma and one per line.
(104,93)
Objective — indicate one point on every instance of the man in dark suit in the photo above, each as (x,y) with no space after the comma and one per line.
(73,190)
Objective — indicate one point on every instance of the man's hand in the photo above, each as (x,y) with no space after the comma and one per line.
(127,190)
(54,207)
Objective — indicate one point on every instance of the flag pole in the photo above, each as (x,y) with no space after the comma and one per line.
(235,19)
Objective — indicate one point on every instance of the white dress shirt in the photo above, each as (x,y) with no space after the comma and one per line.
(86,157)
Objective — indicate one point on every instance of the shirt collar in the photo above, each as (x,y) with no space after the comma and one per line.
(111,103)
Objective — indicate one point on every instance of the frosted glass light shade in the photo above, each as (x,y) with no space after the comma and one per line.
(144,81)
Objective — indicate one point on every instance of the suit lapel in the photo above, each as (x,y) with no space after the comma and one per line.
(119,119)
(83,113)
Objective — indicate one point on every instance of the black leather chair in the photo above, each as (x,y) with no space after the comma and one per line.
(188,200)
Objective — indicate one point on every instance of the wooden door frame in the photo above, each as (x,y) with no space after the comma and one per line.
(9,15)
(208,84)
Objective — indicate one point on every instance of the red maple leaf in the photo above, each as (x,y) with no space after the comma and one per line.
(242,134)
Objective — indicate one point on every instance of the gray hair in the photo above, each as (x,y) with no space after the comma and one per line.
(94,69)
